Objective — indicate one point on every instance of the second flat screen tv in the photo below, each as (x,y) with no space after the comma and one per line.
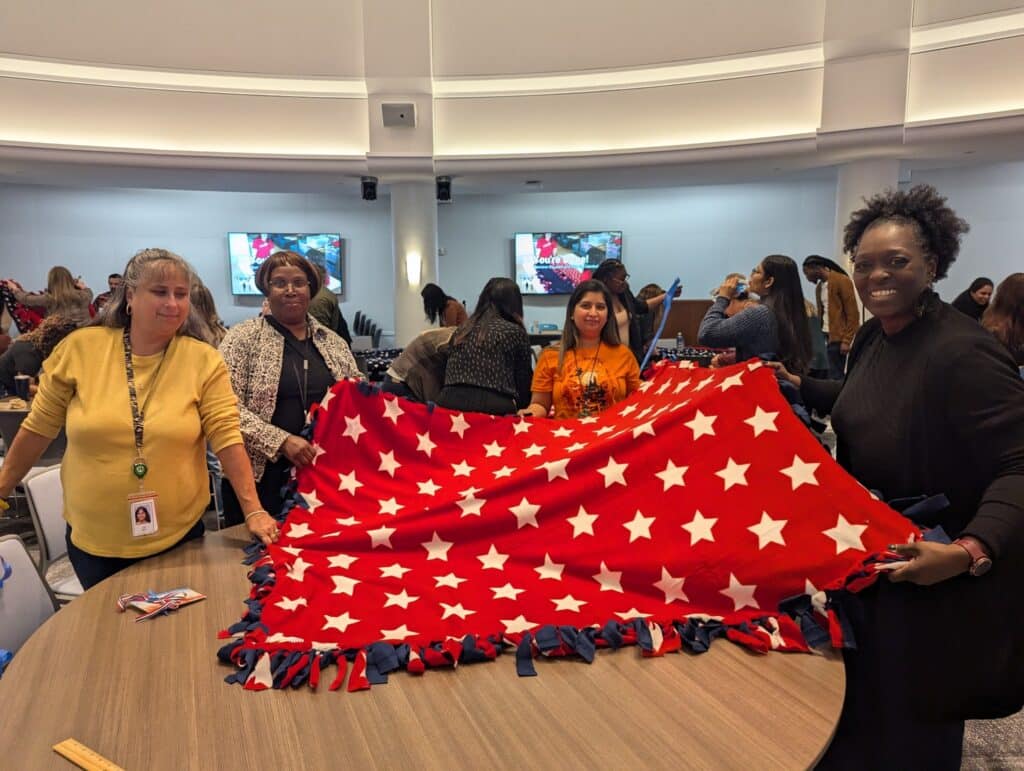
(247,251)
(554,263)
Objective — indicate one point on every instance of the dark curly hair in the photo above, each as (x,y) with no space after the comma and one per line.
(937,227)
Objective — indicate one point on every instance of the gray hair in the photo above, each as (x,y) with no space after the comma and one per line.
(141,267)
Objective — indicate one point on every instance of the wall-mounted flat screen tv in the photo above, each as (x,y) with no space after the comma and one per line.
(554,263)
(247,251)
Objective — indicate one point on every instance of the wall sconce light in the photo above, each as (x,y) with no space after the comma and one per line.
(413,265)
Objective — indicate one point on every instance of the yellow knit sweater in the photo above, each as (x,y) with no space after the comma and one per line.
(85,388)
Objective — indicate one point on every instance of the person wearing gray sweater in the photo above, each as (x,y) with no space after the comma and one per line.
(776,328)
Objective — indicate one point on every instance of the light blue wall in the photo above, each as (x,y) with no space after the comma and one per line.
(991,199)
(699,233)
(94,232)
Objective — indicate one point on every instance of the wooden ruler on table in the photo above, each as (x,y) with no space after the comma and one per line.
(83,757)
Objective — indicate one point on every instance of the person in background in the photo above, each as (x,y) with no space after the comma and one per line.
(625,308)
(931,405)
(27,354)
(441,309)
(974,299)
(418,371)
(591,370)
(139,398)
(649,321)
(65,296)
(488,367)
(206,309)
(1004,317)
(325,309)
(818,366)
(837,309)
(114,281)
(5,328)
(776,326)
(740,301)
(281,364)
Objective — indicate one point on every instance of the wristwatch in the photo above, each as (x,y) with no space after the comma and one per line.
(981,563)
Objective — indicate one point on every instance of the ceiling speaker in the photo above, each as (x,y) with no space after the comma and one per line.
(444,189)
(398,114)
(369,188)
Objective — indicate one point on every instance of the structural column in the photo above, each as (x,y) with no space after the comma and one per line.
(856,181)
(414,245)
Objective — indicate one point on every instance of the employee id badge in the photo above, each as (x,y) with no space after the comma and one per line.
(142,514)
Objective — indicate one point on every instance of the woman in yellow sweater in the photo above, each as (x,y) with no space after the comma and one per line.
(140,396)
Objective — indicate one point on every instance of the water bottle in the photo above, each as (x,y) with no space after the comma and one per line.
(679,342)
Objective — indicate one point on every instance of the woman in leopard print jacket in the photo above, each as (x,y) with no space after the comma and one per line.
(280,365)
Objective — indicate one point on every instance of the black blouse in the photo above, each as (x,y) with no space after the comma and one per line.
(495,356)
(305,379)
(935,408)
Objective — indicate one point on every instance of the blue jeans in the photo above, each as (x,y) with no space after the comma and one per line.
(836,362)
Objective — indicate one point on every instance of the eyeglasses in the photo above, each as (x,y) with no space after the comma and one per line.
(295,283)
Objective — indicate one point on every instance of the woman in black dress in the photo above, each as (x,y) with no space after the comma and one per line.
(931,404)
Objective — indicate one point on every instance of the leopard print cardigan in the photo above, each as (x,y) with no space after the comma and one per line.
(253,351)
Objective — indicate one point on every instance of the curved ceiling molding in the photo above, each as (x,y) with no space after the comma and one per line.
(978,29)
(180,80)
(748,65)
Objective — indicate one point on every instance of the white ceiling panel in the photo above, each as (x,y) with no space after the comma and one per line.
(535,36)
(99,117)
(941,11)
(966,81)
(301,37)
(735,110)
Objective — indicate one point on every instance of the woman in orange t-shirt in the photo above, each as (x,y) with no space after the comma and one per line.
(592,369)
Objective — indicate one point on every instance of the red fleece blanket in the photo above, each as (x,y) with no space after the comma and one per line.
(424,537)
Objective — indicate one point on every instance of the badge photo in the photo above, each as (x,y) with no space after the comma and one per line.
(142,513)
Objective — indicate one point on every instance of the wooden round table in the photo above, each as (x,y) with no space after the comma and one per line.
(151,695)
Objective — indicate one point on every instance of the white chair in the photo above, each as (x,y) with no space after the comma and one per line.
(46,505)
(361,343)
(25,600)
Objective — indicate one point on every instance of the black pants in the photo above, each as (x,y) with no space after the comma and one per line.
(471,399)
(92,569)
(887,719)
(836,362)
(269,489)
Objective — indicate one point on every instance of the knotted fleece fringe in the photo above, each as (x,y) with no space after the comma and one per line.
(802,623)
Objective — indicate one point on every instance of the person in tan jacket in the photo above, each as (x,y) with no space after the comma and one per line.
(837,309)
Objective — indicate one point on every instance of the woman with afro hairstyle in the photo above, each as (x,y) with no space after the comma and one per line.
(932,405)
